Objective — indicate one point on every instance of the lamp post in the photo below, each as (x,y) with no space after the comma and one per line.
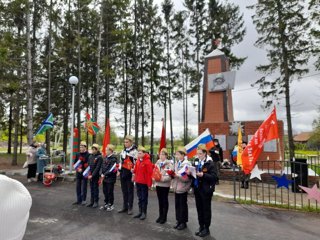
(73,80)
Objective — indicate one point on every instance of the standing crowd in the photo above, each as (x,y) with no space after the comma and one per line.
(36,161)
(134,168)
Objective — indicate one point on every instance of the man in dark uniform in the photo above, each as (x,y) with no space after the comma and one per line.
(95,162)
(128,157)
(80,164)
(204,186)
(216,154)
(109,176)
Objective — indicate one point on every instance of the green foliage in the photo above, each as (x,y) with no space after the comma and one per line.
(225,22)
(315,137)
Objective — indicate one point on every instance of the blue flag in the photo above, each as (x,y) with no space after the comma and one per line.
(45,125)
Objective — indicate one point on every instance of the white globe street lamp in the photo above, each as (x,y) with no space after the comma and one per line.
(73,80)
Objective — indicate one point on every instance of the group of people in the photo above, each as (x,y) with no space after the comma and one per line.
(135,168)
(36,161)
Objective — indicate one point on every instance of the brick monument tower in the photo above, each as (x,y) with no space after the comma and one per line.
(217,109)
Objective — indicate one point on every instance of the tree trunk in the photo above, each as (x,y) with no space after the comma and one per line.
(285,65)
(142,105)
(21,129)
(169,90)
(10,127)
(125,105)
(29,79)
(187,136)
(135,82)
(130,119)
(152,110)
(49,77)
(16,132)
(79,76)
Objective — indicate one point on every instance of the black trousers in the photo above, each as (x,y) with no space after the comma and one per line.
(142,193)
(162,193)
(203,204)
(127,192)
(32,170)
(108,191)
(181,202)
(81,187)
(94,189)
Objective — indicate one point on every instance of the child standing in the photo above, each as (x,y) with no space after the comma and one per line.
(109,176)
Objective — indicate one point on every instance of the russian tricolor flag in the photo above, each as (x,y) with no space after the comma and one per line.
(183,171)
(86,172)
(77,164)
(204,138)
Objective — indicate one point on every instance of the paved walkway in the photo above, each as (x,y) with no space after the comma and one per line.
(257,193)
(52,217)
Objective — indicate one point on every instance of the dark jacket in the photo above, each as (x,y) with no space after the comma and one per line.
(84,157)
(127,156)
(206,183)
(95,162)
(216,153)
(108,162)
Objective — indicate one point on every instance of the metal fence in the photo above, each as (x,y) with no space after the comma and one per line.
(273,191)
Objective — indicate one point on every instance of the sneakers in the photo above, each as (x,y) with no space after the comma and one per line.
(95,205)
(110,208)
(104,207)
(29,180)
(83,203)
(76,203)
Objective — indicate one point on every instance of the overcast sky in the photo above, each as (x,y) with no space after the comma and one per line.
(305,94)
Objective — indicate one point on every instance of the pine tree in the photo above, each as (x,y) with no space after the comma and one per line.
(198,19)
(314,8)
(282,27)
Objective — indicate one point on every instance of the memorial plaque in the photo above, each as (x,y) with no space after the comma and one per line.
(270,146)
(231,142)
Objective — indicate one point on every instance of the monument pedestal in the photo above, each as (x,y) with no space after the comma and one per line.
(217,111)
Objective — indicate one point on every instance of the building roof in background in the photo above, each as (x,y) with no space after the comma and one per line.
(302,137)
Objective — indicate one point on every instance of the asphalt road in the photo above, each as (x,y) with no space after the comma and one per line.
(53,217)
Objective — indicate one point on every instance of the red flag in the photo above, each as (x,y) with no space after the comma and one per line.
(163,137)
(266,132)
(106,139)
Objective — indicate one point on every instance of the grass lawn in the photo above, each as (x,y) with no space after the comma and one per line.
(6,159)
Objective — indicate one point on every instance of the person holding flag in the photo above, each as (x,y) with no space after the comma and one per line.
(109,176)
(127,161)
(142,177)
(95,162)
(80,164)
(204,186)
(244,177)
(181,186)
(163,185)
